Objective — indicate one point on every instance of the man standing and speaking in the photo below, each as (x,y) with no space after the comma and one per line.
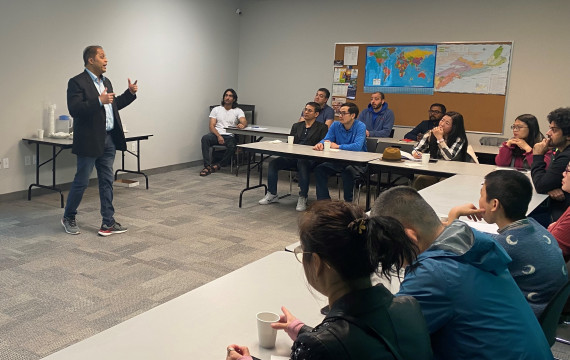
(97,134)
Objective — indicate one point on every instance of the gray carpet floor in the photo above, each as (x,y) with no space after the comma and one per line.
(57,289)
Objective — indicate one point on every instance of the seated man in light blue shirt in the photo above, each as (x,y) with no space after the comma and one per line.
(345,134)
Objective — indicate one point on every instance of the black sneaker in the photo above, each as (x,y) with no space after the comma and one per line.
(116,228)
(70,225)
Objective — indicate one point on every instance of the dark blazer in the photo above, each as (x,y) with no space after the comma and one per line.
(398,319)
(317,132)
(89,116)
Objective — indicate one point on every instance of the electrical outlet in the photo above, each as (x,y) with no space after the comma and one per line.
(33,159)
(6,163)
(27,160)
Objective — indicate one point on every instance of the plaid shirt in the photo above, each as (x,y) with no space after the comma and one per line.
(443,151)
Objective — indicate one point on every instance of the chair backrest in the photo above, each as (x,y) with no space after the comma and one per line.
(549,318)
(471,153)
(371,144)
(492,140)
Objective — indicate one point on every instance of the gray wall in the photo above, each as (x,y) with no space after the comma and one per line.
(183,53)
(276,54)
(286,47)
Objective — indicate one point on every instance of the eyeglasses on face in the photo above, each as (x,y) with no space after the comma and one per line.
(518,127)
(567,170)
(344,113)
(298,251)
(434,111)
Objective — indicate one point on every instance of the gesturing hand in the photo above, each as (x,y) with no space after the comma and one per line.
(284,320)
(106,98)
(133,87)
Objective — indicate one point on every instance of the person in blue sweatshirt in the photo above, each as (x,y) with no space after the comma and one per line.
(378,119)
(345,134)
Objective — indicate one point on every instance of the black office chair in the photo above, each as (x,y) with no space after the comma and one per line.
(551,315)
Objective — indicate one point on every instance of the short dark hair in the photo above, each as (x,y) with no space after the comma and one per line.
(352,108)
(513,190)
(90,53)
(381,94)
(326,91)
(353,244)
(441,106)
(561,117)
(315,106)
(406,205)
(234,94)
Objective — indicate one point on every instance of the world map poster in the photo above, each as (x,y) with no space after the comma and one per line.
(408,66)
(472,68)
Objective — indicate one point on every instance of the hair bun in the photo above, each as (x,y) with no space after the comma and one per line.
(359,226)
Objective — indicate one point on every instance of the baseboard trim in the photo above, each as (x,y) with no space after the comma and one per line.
(23,194)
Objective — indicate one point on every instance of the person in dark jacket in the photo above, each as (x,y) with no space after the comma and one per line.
(340,248)
(97,134)
(435,113)
(308,132)
(548,180)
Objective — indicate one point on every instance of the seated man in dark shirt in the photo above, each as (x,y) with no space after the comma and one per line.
(308,132)
(436,112)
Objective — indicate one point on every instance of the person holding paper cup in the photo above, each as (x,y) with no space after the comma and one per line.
(340,249)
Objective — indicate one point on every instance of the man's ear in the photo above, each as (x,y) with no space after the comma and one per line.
(412,234)
(495,205)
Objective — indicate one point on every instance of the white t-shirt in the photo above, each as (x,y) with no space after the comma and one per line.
(225,118)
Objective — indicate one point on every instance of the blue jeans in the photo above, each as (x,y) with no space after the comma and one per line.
(303,171)
(104,166)
(349,173)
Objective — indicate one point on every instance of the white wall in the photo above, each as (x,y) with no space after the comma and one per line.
(287,47)
(183,53)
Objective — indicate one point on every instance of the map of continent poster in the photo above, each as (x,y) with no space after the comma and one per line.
(472,68)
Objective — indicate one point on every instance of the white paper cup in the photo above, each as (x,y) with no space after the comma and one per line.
(290,140)
(265,332)
(425,158)
(40,133)
(327,145)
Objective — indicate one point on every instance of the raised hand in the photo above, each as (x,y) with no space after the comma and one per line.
(133,87)
(106,98)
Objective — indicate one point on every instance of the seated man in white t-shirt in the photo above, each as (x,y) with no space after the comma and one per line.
(228,114)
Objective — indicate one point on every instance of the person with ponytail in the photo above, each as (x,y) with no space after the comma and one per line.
(340,249)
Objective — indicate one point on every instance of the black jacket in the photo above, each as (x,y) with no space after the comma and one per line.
(89,116)
(317,132)
(398,319)
(545,180)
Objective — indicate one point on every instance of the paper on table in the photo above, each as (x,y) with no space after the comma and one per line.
(275,141)
(482,226)
(254,128)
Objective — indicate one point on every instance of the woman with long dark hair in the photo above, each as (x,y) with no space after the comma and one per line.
(340,248)
(447,141)
(517,151)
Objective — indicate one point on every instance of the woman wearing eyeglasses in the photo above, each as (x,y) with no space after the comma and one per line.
(340,248)
(560,229)
(517,151)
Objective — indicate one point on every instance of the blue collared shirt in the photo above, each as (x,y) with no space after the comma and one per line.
(110,120)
